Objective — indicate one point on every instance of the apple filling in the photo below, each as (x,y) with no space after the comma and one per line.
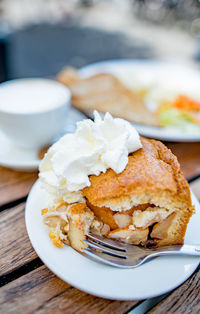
(141,225)
(69,224)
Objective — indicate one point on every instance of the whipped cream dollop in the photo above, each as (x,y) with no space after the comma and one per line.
(93,148)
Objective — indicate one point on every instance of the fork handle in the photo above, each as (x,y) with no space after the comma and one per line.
(185,249)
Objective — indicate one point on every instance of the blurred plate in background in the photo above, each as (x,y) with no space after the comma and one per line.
(147,74)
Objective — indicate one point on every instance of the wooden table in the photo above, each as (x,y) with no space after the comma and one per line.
(27,286)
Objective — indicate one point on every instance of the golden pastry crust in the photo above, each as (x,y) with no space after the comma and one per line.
(152,175)
(148,203)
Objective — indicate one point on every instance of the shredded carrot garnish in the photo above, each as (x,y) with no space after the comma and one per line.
(185,103)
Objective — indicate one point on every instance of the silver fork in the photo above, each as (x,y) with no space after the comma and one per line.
(124,255)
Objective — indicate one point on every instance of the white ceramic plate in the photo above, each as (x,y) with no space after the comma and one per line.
(16,158)
(150,73)
(149,280)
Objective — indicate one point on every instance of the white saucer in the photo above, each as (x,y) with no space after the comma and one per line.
(17,158)
(152,279)
(150,71)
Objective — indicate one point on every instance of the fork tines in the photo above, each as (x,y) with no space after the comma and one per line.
(106,242)
(106,250)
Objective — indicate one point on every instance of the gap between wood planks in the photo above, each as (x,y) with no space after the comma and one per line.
(183,299)
(193,179)
(40,291)
(21,271)
(13,203)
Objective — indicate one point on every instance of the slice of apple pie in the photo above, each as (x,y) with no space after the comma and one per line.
(147,204)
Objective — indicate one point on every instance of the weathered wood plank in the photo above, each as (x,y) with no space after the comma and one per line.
(14,184)
(40,291)
(188,155)
(15,248)
(185,299)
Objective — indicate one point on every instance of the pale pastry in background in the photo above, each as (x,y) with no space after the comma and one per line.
(106,93)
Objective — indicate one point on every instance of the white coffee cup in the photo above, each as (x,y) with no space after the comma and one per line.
(33,111)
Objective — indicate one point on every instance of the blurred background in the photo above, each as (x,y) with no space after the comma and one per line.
(38,38)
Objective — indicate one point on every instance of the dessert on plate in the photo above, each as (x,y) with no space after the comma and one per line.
(106,93)
(162,104)
(107,180)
